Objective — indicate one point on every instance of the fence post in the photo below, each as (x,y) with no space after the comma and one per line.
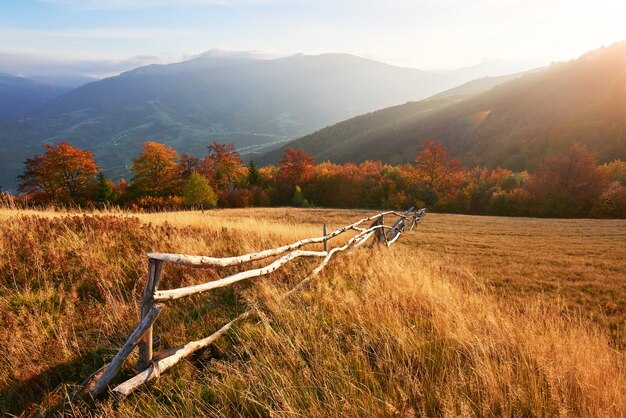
(325,247)
(147,302)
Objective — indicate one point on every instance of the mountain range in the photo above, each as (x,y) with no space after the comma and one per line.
(254,103)
(515,124)
(261,104)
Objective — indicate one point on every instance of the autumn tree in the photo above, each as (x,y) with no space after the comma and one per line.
(223,166)
(615,171)
(436,169)
(295,168)
(567,184)
(188,164)
(156,171)
(64,174)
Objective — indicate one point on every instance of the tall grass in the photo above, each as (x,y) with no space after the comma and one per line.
(383,332)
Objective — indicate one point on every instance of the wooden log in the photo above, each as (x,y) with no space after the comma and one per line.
(379,232)
(173,294)
(393,232)
(417,218)
(87,384)
(155,268)
(202,261)
(113,367)
(397,231)
(393,228)
(176,355)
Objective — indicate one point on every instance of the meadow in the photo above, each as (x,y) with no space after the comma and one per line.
(464,316)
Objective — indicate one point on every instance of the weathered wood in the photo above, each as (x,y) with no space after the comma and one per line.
(87,384)
(202,261)
(155,268)
(177,354)
(325,240)
(113,367)
(417,218)
(173,294)
(399,229)
(394,231)
(379,233)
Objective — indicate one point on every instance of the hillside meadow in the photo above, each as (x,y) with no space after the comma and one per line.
(464,316)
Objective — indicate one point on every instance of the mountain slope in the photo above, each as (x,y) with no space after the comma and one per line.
(514,124)
(252,103)
(20,95)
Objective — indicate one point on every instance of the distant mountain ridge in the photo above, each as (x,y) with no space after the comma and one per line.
(20,95)
(252,103)
(514,124)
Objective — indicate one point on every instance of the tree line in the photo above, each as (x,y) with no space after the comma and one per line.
(568,184)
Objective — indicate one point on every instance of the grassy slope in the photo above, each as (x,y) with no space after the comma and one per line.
(426,327)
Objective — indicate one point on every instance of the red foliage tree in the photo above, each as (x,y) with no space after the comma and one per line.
(188,164)
(295,168)
(223,166)
(567,184)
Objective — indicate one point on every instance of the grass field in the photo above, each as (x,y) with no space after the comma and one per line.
(464,316)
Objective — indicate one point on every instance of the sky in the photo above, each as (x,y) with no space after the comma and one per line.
(105,37)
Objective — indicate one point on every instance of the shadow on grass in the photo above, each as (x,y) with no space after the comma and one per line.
(47,390)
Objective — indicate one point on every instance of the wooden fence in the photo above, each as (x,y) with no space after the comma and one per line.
(153,364)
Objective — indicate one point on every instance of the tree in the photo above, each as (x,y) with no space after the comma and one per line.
(567,184)
(299,200)
(198,192)
(156,172)
(253,174)
(64,174)
(615,171)
(188,164)
(436,169)
(223,166)
(296,168)
(105,190)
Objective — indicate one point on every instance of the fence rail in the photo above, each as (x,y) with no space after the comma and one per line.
(152,302)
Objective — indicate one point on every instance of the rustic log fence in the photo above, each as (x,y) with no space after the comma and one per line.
(151,364)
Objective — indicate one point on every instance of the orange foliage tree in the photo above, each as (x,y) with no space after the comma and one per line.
(157,173)
(223,166)
(436,169)
(64,175)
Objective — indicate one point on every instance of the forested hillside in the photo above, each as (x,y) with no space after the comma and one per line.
(514,125)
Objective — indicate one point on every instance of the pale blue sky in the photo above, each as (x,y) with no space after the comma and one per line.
(107,36)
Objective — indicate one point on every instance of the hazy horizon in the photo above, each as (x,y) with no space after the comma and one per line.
(102,38)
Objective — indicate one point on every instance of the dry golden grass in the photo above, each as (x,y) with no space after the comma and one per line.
(466,316)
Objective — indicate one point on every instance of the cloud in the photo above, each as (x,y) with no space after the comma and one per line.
(31,64)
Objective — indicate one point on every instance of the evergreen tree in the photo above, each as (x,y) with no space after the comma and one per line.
(105,192)
(253,174)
